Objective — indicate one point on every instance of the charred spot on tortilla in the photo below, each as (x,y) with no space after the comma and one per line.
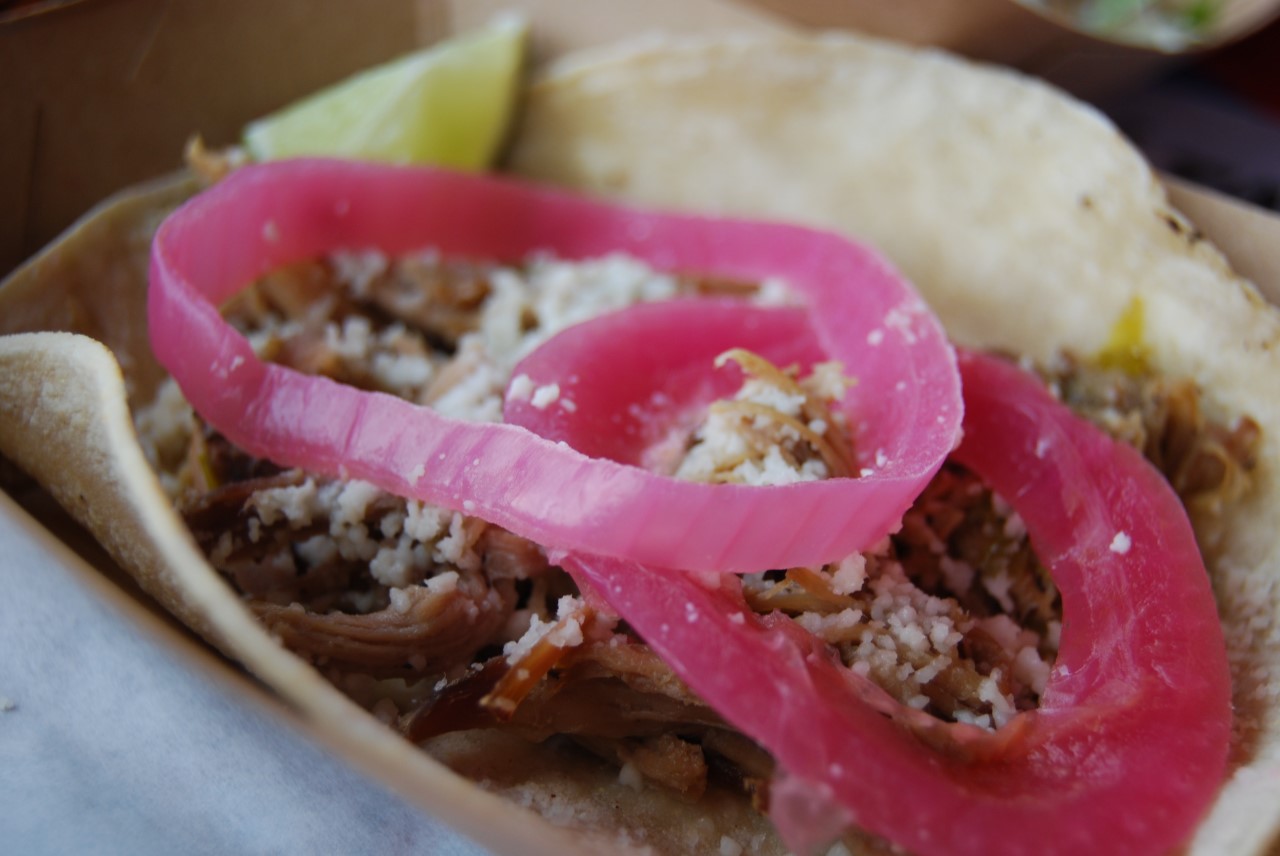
(1180,227)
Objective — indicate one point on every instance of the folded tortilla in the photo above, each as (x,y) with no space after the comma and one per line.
(1024,218)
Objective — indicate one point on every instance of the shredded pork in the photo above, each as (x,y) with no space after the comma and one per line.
(953,617)
(1208,464)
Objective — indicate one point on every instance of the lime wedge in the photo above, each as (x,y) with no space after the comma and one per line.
(449,104)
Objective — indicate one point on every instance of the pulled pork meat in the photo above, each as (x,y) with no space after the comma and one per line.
(1208,464)
(611,695)
(438,622)
(311,576)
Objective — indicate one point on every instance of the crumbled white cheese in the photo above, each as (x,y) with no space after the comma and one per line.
(1121,543)
(352,503)
(298,505)
(629,776)
(830,625)
(901,319)
(943,634)
(828,381)
(1053,635)
(317,550)
(545,395)
(760,392)
(222,549)
(564,632)
(729,847)
(392,523)
(911,638)
(850,574)
(775,292)
(776,470)
(396,566)
(560,298)
(1031,669)
(402,372)
(352,340)
(458,548)
(400,600)
(520,388)
(958,575)
(445,583)
(1004,630)
(358,270)
(526,308)
(1002,708)
(385,711)
(998,586)
(424,523)
(476,396)
(982,720)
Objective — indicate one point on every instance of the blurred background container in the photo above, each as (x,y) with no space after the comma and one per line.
(103,93)
(1026,35)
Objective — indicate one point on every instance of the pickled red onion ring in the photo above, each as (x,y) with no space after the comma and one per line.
(1130,742)
(669,349)
(907,403)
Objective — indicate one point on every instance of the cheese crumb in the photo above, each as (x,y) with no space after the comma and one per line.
(729,847)
(564,632)
(298,504)
(630,776)
(850,574)
(545,395)
(400,600)
(1121,543)
(521,388)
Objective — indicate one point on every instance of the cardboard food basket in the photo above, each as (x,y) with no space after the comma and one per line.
(108,92)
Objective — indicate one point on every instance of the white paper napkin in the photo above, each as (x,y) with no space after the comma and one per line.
(112,744)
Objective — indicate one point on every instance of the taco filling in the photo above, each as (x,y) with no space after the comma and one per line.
(941,636)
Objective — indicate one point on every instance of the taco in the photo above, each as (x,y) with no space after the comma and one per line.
(547,658)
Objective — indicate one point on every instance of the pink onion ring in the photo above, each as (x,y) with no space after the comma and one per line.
(1129,745)
(906,406)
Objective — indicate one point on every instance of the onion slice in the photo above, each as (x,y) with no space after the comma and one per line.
(1130,743)
(862,313)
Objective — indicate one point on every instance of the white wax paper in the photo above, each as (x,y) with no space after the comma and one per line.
(112,744)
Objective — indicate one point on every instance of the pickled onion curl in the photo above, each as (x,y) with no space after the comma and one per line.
(905,408)
(1129,745)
